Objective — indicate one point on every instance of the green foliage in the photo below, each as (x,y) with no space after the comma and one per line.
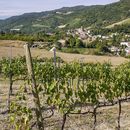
(74,42)
(20,113)
(30,38)
(71,84)
(14,66)
(121,29)
(100,45)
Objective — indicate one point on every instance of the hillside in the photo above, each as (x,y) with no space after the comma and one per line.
(125,21)
(69,17)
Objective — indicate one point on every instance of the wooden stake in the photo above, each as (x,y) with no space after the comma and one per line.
(10,89)
(34,88)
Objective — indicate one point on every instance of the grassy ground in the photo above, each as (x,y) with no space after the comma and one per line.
(84,51)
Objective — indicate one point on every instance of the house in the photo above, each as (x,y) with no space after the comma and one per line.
(127,44)
(127,47)
(62,41)
(81,33)
(127,50)
(105,37)
(115,50)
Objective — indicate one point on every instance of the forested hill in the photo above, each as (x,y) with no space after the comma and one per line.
(69,17)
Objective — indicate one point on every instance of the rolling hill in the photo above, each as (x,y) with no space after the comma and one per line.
(69,17)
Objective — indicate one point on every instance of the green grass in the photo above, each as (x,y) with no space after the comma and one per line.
(74,21)
(86,51)
(126,21)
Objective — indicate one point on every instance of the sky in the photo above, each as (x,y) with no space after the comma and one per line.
(10,8)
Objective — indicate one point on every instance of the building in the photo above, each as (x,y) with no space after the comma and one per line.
(127,50)
(127,44)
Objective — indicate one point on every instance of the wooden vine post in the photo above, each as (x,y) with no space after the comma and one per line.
(10,90)
(54,58)
(119,115)
(64,120)
(95,117)
(38,110)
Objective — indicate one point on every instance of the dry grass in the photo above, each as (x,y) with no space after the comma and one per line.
(13,43)
(17,50)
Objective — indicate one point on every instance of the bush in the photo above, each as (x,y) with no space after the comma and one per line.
(71,50)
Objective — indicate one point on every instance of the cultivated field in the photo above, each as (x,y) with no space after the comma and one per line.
(106,117)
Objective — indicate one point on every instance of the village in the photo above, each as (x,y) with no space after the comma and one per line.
(104,42)
(115,43)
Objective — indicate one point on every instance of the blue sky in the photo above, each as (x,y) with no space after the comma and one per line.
(16,7)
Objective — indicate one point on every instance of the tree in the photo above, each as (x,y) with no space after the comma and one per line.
(72,42)
(79,43)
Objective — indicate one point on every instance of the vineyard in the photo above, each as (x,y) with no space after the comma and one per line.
(63,92)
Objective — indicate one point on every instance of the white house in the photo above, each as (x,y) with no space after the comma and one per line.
(114,49)
(125,44)
(127,50)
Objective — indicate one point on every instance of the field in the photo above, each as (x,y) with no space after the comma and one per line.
(126,21)
(18,49)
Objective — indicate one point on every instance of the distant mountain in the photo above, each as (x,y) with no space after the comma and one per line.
(69,17)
